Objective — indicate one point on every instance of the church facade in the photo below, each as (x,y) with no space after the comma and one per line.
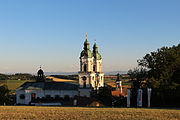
(90,76)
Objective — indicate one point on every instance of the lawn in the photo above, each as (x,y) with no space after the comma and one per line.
(80,113)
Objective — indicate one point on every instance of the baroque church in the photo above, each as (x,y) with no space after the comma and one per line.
(90,76)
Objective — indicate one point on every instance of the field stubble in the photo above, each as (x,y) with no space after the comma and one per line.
(80,113)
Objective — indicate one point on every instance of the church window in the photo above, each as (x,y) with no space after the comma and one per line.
(85,68)
(22,96)
(94,68)
(84,82)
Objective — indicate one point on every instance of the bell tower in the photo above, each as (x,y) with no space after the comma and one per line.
(90,75)
(97,68)
(40,77)
(86,70)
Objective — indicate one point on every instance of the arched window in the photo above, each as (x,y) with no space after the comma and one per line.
(94,68)
(84,82)
(85,68)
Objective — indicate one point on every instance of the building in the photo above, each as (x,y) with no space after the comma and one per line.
(90,75)
(44,92)
(119,83)
(41,92)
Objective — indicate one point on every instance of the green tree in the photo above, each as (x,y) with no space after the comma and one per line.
(4,95)
(163,74)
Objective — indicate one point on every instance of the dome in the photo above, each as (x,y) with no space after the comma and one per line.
(96,54)
(40,71)
(86,53)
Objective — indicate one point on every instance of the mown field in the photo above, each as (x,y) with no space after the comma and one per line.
(80,113)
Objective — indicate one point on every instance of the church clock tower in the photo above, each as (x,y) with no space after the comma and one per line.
(90,75)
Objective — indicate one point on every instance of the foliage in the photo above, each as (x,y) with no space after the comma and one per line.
(159,70)
(3,77)
(164,67)
(104,95)
(17,76)
(4,95)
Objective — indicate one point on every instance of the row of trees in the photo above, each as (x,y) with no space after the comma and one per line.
(159,70)
(18,76)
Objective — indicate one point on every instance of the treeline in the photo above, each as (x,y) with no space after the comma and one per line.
(17,76)
(159,70)
(68,77)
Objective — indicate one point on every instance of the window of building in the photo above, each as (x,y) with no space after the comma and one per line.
(84,82)
(94,68)
(22,96)
(85,68)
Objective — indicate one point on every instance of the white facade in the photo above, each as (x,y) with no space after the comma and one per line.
(90,74)
(42,93)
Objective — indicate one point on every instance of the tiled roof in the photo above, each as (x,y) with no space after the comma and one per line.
(118,93)
(48,86)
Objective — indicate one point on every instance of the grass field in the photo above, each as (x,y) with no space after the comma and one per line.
(61,80)
(80,113)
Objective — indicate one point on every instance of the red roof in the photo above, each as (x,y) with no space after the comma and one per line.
(118,93)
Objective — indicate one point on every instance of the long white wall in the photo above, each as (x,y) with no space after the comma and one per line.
(42,93)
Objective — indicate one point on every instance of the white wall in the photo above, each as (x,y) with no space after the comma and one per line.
(42,93)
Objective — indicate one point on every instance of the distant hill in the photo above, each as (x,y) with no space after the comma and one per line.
(75,73)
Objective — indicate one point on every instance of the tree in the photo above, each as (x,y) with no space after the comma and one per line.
(163,68)
(4,95)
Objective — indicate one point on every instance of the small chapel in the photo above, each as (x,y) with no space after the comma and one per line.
(41,92)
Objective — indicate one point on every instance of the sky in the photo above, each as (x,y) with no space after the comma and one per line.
(51,33)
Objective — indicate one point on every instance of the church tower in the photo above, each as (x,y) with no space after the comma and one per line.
(97,68)
(90,75)
(40,77)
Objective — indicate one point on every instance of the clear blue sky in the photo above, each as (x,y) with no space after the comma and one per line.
(51,32)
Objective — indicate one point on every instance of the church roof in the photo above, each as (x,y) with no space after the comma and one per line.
(48,86)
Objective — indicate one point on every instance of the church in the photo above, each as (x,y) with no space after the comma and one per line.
(41,92)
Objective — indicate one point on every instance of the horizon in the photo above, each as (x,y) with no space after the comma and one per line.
(52,33)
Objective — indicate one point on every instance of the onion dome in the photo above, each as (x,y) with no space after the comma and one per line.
(96,54)
(86,52)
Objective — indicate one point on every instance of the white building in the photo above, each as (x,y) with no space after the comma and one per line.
(90,75)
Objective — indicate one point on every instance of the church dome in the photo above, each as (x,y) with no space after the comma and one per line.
(86,52)
(40,71)
(96,54)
